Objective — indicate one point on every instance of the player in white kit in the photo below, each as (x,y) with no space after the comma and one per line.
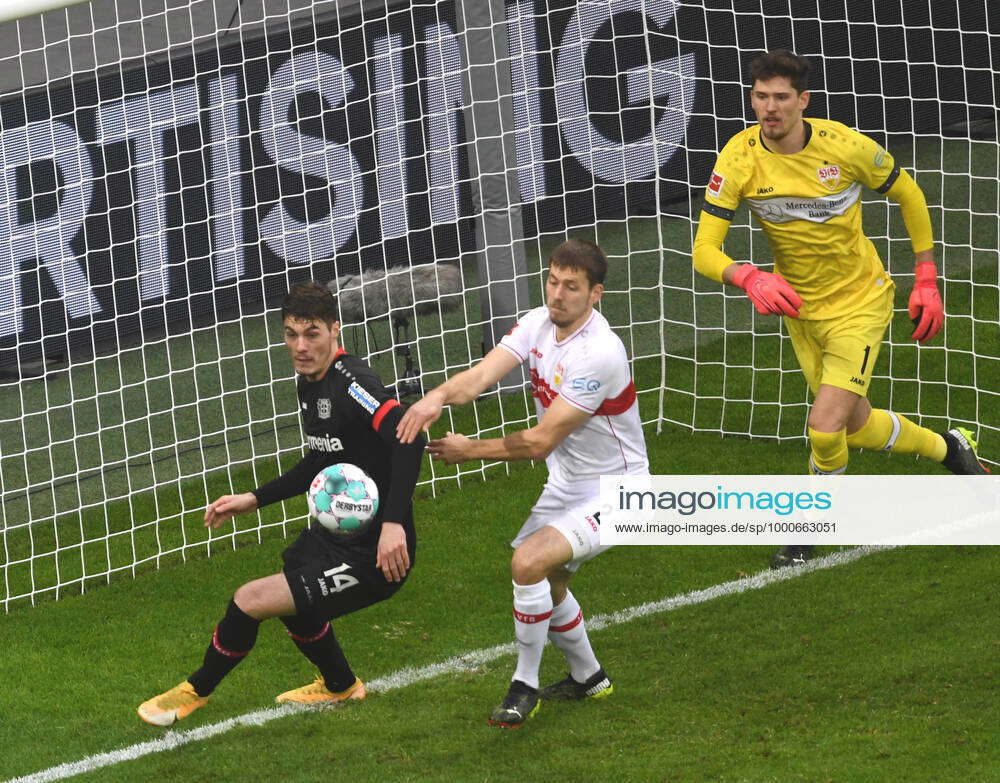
(588,425)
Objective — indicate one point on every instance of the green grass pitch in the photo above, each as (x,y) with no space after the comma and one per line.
(882,669)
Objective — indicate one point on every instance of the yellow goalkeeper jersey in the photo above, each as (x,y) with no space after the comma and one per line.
(809,205)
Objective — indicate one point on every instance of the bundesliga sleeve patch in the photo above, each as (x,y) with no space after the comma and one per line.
(362,397)
(715,183)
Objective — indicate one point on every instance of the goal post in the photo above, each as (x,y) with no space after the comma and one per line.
(166,174)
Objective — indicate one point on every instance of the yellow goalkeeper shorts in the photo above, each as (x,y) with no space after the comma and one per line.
(842,351)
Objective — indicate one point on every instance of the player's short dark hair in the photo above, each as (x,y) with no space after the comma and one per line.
(310,301)
(581,254)
(781,62)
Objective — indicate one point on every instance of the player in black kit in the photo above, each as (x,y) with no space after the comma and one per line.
(347,416)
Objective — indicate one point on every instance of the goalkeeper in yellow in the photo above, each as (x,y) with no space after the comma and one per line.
(802,181)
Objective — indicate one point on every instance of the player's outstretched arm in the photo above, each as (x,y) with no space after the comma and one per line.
(461,388)
(537,442)
(421,415)
(229,506)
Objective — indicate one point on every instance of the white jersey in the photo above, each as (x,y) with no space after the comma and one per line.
(590,370)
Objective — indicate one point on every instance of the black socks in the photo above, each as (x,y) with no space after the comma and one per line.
(315,639)
(232,640)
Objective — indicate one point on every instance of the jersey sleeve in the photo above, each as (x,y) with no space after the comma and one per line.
(520,339)
(294,482)
(706,251)
(598,380)
(913,205)
(723,192)
(368,401)
(872,164)
(366,398)
(405,466)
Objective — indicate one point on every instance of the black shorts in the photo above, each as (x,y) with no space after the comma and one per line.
(330,580)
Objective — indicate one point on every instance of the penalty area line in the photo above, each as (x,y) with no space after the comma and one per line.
(459,663)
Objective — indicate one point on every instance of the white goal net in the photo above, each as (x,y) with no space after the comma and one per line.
(169,167)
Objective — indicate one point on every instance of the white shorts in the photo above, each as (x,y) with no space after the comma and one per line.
(574,513)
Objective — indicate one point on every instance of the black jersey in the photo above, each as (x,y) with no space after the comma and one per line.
(349,416)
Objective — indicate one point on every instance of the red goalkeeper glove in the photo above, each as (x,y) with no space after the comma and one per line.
(770,293)
(926,310)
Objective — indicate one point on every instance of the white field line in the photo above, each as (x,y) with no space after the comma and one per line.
(468,661)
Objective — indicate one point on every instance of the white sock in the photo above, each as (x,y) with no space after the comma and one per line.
(568,632)
(532,609)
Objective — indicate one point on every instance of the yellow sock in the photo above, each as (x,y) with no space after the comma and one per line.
(887,431)
(829,452)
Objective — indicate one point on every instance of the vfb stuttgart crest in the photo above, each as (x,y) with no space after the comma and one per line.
(323,408)
(559,373)
(829,176)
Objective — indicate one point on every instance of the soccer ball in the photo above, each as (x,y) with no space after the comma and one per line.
(343,499)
